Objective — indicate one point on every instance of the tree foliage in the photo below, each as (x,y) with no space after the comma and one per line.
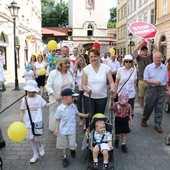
(113,18)
(54,15)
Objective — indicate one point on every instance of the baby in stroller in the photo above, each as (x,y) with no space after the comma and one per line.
(100,140)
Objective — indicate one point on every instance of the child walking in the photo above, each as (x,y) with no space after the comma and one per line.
(28,73)
(35,104)
(66,124)
(103,140)
(123,113)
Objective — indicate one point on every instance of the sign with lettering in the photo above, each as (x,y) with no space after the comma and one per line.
(143,29)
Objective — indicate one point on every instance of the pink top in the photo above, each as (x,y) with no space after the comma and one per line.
(123,110)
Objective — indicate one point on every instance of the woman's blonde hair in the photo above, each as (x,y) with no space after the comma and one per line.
(84,62)
(61,61)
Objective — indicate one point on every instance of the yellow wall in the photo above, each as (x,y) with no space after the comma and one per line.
(159,8)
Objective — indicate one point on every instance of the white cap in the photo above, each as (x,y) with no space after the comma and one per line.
(128,57)
(31,86)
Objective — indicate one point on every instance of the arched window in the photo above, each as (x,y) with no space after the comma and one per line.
(90,30)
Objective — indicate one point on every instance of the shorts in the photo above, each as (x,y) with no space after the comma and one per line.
(122,125)
(66,141)
(142,86)
(104,146)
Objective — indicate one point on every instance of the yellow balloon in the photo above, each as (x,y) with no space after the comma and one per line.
(112,52)
(36,54)
(17,132)
(52,45)
(42,72)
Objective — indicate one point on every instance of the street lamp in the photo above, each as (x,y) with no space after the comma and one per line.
(130,35)
(13,7)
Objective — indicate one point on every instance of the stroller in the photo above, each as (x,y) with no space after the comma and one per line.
(89,141)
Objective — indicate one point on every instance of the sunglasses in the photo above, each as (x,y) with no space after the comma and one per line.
(128,61)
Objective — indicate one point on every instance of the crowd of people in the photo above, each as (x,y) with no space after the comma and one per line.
(96,79)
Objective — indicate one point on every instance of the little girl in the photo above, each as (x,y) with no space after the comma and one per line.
(35,103)
(123,113)
(28,73)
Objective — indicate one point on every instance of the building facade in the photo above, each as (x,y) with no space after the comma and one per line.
(88,21)
(163,26)
(121,28)
(139,10)
(28,32)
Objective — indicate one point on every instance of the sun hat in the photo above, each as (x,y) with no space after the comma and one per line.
(69,92)
(31,86)
(123,98)
(128,57)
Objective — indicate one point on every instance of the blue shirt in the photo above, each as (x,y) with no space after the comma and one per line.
(152,72)
(67,116)
(52,61)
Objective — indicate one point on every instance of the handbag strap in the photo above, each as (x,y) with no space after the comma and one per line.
(26,102)
(126,81)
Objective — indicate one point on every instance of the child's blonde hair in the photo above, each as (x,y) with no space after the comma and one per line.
(99,122)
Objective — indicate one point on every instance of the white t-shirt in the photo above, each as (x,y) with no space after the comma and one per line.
(28,75)
(35,104)
(67,116)
(114,65)
(123,74)
(79,78)
(97,82)
(40,66)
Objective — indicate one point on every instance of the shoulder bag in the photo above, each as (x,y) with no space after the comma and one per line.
(116,99)
(36,127)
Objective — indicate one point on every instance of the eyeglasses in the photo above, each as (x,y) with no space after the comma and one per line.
(67,63)
(128,61)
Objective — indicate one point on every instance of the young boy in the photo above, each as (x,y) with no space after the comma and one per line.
(66,124)
(103,140)
(123,113)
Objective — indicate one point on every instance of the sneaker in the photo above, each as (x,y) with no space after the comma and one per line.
(41,151)
(159,129)
(95,165)
(116,144)
(2,144)
(65,162)
(105,166)
(73,153)
(1,164)
(124,148)
(33,159)
(144,123)
(81,124)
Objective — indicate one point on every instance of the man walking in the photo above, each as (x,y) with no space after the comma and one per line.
(155,75)
(143,59)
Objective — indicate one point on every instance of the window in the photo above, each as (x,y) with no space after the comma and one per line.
(134,5)
(140,3)
(140,17)
(153,16)
(90,30)
(164,7)
(145,17)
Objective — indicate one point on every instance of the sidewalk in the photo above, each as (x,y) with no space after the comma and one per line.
(147,149)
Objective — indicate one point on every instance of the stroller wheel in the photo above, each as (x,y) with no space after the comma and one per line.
(167,107)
